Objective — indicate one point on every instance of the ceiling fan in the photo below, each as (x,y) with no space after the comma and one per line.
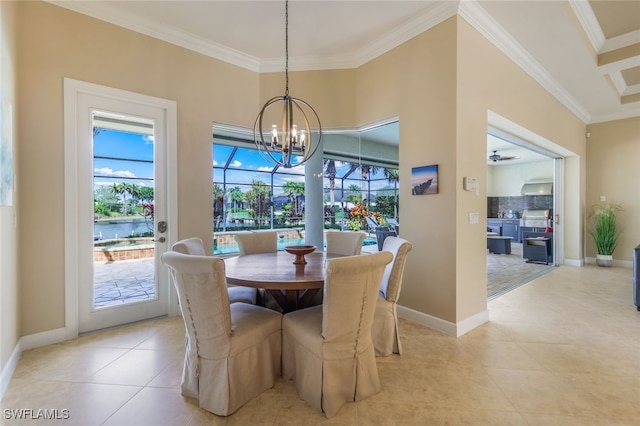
(495,157)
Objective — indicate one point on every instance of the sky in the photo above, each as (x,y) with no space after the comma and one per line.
(251,160)
(131,146)
(111,143)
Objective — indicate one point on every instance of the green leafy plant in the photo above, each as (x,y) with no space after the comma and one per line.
(605,229)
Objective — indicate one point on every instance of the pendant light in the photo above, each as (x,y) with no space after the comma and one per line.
(282,131)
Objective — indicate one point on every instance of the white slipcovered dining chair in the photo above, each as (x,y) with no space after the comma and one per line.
(346,243)
(386,338)
(257,242)
(237,294)
(232,350)
(327,350)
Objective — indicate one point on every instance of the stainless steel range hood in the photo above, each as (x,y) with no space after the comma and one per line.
(537,188)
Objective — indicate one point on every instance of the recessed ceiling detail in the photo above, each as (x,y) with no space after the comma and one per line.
(584,53)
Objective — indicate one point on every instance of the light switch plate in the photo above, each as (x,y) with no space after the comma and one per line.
(474,218)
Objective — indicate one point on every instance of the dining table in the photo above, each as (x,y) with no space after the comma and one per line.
(293,286)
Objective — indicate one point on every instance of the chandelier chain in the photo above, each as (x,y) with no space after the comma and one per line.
(286,47)
(295,142)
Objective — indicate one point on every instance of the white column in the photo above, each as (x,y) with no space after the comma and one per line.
(314,205)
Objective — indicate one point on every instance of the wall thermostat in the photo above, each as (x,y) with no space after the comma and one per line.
(470,184)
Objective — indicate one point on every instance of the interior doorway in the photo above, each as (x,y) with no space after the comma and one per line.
(520,209)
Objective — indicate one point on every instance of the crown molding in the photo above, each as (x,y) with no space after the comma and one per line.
(432,16)
(621,41)
(589,23)
(102,11)
(621,86)
(479,19)
(632,112)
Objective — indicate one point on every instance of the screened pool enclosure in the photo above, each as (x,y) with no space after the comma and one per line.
(360,168)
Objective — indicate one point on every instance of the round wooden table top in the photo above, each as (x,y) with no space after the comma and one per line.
(276,271)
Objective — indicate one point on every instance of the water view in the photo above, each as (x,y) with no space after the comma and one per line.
(120,229)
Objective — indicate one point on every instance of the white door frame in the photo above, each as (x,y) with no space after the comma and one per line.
(73,90)
(544,146)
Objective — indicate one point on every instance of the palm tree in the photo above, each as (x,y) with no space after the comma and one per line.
(354,195)
(366,171)
(122,189)
(330,173)
(236,196)
(393,176)
(259,199)
(218,201)
(293,190)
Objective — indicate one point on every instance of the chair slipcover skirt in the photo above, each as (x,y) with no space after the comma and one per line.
(385,332)
(328,349)
(232,350)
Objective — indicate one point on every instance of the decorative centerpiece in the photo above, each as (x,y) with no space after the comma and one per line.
(299,252)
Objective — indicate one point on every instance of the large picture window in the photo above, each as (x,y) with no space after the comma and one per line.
(251,193)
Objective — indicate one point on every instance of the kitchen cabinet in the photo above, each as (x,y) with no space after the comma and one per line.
(505,228)
(510,228)
(494,225)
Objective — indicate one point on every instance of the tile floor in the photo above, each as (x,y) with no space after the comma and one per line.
(561,350)
(508,271)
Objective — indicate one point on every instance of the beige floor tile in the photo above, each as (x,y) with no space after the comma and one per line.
(545,393)
(500,354)
(137,367)
(562,350)
(584,359)
(154,406)
(66,362)
(382,414)
(85,403)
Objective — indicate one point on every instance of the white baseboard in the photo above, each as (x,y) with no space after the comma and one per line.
(46,338)
(446,327)
(573,262)
(9,369)
(29,342)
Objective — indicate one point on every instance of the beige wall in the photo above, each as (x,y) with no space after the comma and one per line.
(9,306)
(68,44)
(440,84)
(417,83)
(613,164)
(489,81)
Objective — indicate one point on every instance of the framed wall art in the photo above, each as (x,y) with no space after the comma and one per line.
(6,152)
(424,180)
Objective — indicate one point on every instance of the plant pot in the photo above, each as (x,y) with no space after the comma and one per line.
(605,260)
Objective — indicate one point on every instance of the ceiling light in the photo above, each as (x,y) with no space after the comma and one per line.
(292,141)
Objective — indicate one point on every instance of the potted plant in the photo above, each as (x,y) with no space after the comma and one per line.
(605,231)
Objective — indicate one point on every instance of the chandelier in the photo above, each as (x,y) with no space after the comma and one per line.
(293,142)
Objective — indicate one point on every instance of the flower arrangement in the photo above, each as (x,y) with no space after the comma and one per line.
(357,217)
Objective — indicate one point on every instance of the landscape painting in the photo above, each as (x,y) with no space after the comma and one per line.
(424,180)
